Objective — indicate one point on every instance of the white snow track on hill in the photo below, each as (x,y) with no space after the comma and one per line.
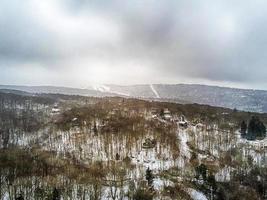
(101,88)
(107,89)
(154,91)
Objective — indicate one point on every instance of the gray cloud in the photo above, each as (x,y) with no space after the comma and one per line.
(155,41)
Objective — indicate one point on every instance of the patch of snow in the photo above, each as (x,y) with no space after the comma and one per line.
(104,88)
(154,91)
(101,88)
(196,195)
(224,174)
(159,183)
(120,93)
(55,110)
(184,149)
(74,119)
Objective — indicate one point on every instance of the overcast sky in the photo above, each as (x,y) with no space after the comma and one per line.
(82,42)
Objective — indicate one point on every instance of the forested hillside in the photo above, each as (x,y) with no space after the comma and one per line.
(56,146)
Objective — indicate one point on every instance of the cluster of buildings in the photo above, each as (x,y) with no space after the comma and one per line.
(55,109)
(166,115)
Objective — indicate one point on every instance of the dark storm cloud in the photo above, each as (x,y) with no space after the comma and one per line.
(162,40)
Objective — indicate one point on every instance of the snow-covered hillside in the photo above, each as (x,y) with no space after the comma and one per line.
(106,147)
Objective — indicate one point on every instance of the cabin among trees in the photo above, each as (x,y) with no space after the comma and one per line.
(165,114)
(254,130)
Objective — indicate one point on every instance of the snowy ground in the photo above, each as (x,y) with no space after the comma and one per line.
(87,147)
(196,195)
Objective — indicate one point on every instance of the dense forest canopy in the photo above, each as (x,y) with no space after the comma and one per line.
(73,147)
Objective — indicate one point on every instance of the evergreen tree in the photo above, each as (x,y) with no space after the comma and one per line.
(256,129)
(149,177)
(201,170)
(212,181)
(95,129)
(55,194)
(161,113)
(262,130)
(142,194)
(244,128)
(20,197)
(117,156)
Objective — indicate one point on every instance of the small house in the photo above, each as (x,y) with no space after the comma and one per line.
(167,114)
(183,123)
(55,109)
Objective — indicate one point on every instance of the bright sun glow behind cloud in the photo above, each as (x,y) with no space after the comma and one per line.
(229,27)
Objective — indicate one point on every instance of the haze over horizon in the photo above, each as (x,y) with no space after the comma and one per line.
(77,43)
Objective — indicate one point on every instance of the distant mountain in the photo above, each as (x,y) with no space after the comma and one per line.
(55,90)
(17,92)
(241,99)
